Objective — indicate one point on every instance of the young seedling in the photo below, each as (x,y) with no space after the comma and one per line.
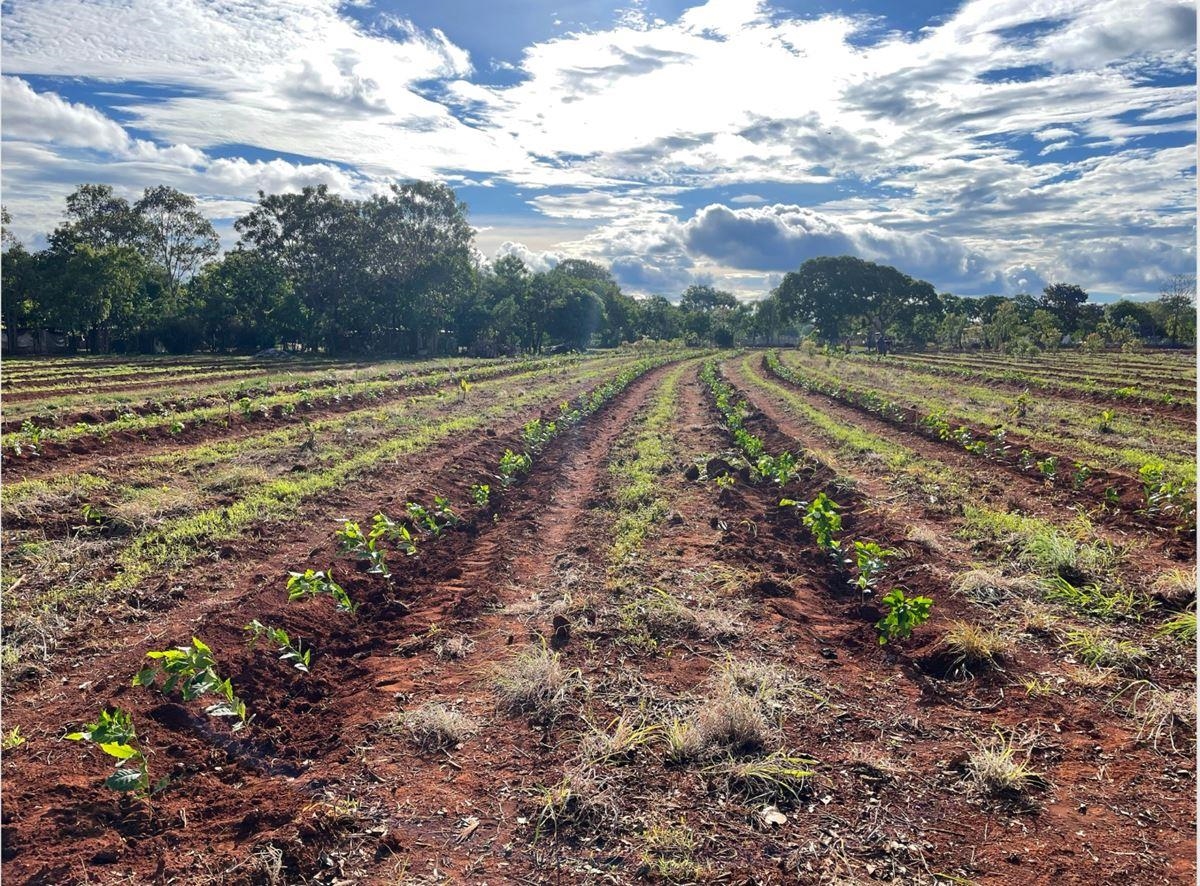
(444,513)
(1048,467)
(512,465)
(1107,417)
(904,614)
(351,538)
(481,494)
(316,584)
(383,527)
(193,671)
(822,519)
(292,653)
(871,561)
(1080,475)
(114,734)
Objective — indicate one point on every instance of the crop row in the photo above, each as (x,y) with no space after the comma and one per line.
(276,406)
(1119,440)
(1123,393)
(191,672)
(1163,496)
(822,519)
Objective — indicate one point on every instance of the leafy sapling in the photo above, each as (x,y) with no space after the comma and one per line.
(114,733)
(291,652)
(193,671)
(871,560)
(351,538)
(512,465)
(904,614)
(481,494)
(384,527)
(311,583)
(822,519)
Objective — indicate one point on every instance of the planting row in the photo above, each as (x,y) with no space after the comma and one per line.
(1167,501)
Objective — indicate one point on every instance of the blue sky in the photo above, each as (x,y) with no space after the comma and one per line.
(986,146)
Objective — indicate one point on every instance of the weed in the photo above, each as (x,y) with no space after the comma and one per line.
(1175,585)
(1000,767)
(770,779)
(904,614)
(193,671)
(454,648)
(578,801)
(619,742)
(1098,651)
(1093,599)
(1181,626)
(290,652)
(315,584)
(534,682)
(668,853)
(973,647)
(437,727)
(1160,714)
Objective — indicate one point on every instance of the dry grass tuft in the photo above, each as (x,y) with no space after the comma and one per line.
(990,587)
(534,682)
(454,648)
(579,801)
(1164,717)
(435,727)
(974,647)
(1000,767)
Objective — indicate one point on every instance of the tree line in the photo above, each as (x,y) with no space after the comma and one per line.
(398,274)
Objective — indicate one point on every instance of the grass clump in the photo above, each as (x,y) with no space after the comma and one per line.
(668,854)
(973,647)
(1099,651)
(1163,716)
(579,801)
(1000,767)
(774,778)
(1181,626)
(620,741)
(436,727)
(1093,599)
(534,682)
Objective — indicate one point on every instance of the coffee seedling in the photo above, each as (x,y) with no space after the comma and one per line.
(904,614)
(871,560)
(351,538)
(384,527)
(822,519)
(114,734)
(193,671)
(290,653)
(1107,417)
(481,494)
(1048,467)
(512,465)
(1080,475)
(316,584)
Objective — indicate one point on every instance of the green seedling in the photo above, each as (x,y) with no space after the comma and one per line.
(904,614)
(871,561)
(246,405)
(384,527)
(1080,475)
(512,465)
(822,519)
(351,538)
(1107,417)
(292,653)
(93,515)
(1048,467)
(12,739)
(481,494)
(778,469)
(725,481)
(444,513)
(115,735)
(193,671)
(317,584)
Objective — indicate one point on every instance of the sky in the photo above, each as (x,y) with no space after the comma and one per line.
(991,146)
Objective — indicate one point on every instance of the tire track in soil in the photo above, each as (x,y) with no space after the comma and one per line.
(322,698)
(932,711)
(1015,492)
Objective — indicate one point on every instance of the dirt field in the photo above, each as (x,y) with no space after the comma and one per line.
(625,661)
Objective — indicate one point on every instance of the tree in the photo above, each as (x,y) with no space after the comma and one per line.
(98,218)
(1063,301)
(243,301)
(175,234)
(1047,332)
(706,298)
(1178,299)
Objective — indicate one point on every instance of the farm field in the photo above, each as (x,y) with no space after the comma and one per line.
(641,615)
